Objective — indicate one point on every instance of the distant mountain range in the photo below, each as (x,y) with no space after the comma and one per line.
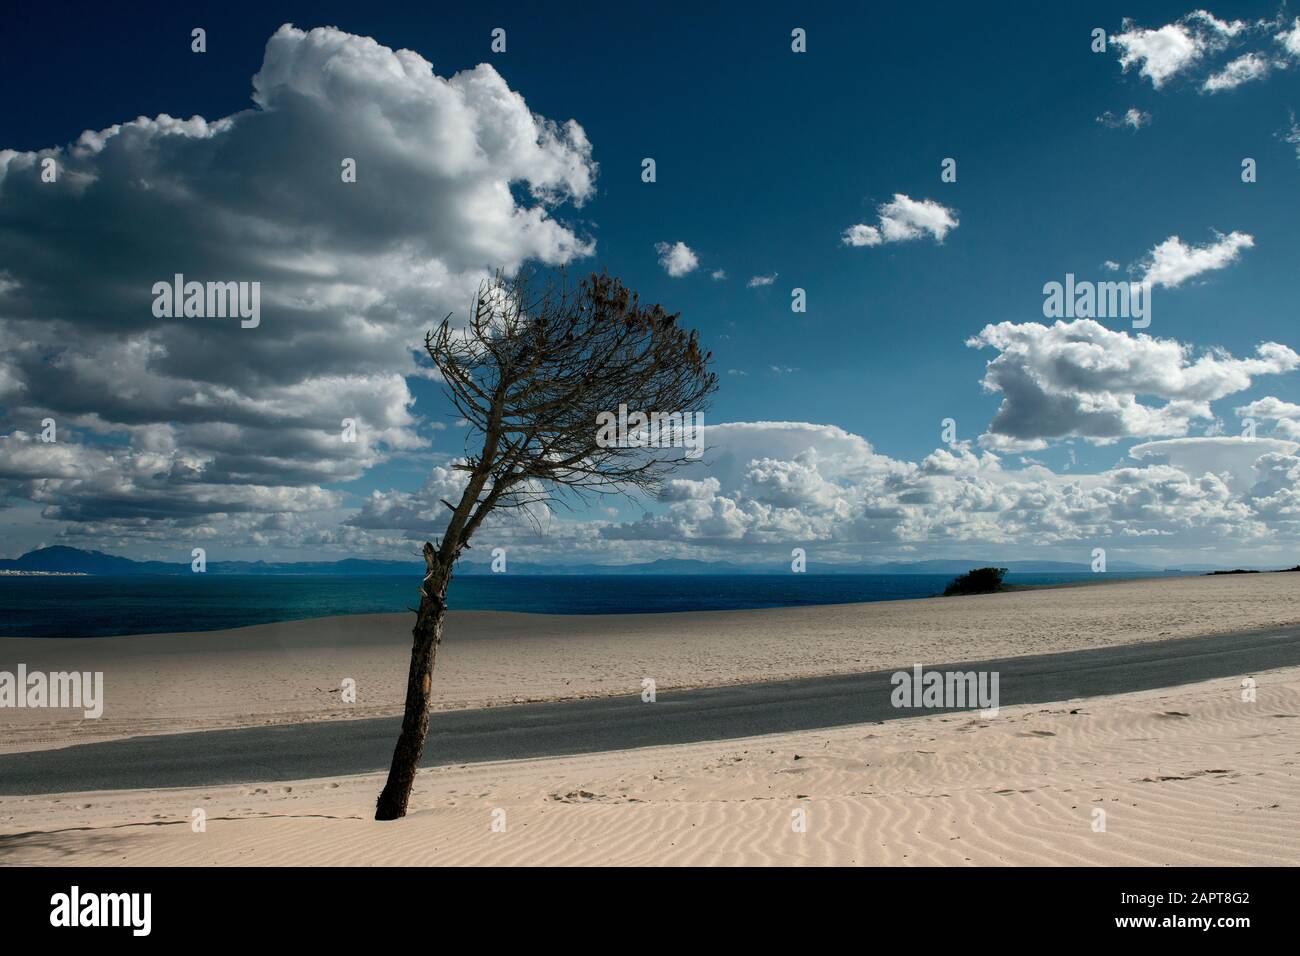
(66,560)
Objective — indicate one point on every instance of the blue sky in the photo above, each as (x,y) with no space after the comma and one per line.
(764,158)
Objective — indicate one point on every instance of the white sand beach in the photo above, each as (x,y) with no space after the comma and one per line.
(1188,776)
(293,672)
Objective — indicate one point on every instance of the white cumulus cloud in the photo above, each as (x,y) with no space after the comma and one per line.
(1173,262)
(212,423)
(1290,39)
(1080,379)
(901,220)
(1161,53)
(1247,67)
(677,258)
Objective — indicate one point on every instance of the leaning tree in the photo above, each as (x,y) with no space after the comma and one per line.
(532,373)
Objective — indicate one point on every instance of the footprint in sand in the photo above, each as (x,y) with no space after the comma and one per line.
(1190,776)
(575,796)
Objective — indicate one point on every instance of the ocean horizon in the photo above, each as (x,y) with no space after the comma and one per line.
(111,605)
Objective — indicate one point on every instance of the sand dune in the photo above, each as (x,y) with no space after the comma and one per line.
(293,672)
(1187,776)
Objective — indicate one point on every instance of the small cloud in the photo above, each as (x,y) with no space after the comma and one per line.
(1291,135)
(736,371)
(717,275)
(782,369)
(1159,54)
(756,282)
(861,235)
(1162,53)
(1243,69)
(677,258)
(1110,265)
(1222,27)
(903,220)
(1290,39)
(1134,118)
(996,442)
(1173,262)
(1270,408)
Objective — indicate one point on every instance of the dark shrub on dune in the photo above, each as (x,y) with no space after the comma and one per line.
(979,581)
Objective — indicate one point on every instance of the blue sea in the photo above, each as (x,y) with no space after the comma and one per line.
(99,606)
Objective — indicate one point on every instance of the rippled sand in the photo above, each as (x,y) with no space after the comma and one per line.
(1187,776)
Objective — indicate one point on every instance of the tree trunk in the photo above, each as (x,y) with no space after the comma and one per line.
(427,635)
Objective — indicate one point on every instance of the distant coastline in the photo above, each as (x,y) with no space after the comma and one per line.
(66,559)
(90,606)
(13,573)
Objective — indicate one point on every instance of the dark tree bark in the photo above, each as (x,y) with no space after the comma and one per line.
(427,635)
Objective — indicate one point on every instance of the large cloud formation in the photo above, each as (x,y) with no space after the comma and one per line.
(197,420)
(767,487)
(1080,379)
(196,428)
